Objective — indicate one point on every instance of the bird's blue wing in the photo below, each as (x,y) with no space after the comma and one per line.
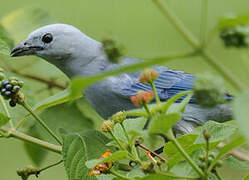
(168,84)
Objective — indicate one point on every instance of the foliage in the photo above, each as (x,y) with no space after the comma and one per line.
(82,151)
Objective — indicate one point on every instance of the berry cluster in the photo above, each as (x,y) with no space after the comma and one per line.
(211,157)
(9,88)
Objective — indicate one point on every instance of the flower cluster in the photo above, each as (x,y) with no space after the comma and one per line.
(107,126)
(104,167)
(142,98)
(148,76)
(119,117)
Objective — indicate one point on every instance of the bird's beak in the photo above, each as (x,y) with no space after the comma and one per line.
(23,49)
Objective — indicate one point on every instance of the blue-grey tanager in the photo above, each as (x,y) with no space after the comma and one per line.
(76,54)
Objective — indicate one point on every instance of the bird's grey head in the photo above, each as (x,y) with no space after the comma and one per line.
(58,44)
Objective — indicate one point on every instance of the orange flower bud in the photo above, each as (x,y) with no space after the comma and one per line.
(104,167)
(148,76)
(142,97)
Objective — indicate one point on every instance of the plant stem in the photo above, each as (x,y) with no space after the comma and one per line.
(42,123)
(155,93)
(6,112)
(208,57)
(30,139)
(117,141)
(204,11)
(149,116)
(206,159)
(138,114)
(49,166)
(125,132)
(178,177)
(172,138)
(119,175)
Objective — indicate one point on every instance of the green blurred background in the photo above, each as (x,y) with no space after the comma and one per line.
(138,26)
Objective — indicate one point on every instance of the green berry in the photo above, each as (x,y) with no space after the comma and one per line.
(16,89)
(20,83)
(202,158)
(13,82)
(212,155)
(2,76)
(202,165)
(210,160)
(219,163)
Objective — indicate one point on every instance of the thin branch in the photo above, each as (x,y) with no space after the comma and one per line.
(203,28)
(241,155)
(208,57)
(30,139)
(139,144)
(49,82)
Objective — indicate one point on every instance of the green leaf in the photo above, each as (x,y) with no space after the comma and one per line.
(161,123)
(155,177)
(238,141)
(237,164)
(119,155)
(4,48)
(185,141)
(233,21)
(193,142)
(3,119)
(33,150)
(89,112)
(246,177)
(65,116)
(132,126)
(54,100)
(240,108)
(80,147)
(218,131)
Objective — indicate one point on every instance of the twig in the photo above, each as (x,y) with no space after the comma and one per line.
(139,144)
(30,139)
(208,57)
(243,156)
(49,82)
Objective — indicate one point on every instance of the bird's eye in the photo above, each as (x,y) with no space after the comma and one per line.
(47,38)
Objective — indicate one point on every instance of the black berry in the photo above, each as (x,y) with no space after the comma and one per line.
(7,93)
(3,91)
(5,82)
(8,87)
(12,103)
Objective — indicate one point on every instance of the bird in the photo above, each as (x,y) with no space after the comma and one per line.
(77,54)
